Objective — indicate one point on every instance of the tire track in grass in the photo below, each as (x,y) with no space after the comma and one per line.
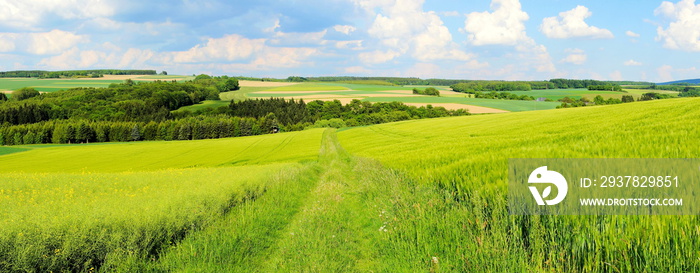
(338,214)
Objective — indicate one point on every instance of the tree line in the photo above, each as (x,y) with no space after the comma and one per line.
(86,131)
(243,119)
(136,111)
(605,87)
(502,96)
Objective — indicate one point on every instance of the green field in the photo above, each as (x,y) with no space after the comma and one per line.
(309,87)
(414,196)
(164,155)
(509,105)
(556,94)
(87,207)
(53,85)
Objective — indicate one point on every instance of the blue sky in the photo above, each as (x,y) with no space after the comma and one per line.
(498,39)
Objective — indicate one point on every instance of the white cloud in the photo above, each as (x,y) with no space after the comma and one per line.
(453,13)
(632,63)
(668,73)
(576,58)
(236,48)
(75,58)
(504,26)
(402,27)
(616,76)
(274,27)
(281,57)
(232,47)
(354,45)
(52,42)
(665,73)
(29,13)
(424,70)
(40,43)
(683,32)
(145,28)
(378,56)
(571,24)
(632,34)
(297,38)
(134,57)
(344,29)
(357,70)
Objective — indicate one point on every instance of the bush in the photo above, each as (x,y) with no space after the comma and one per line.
(24,93)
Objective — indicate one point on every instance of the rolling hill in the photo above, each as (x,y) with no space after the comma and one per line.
(420,195)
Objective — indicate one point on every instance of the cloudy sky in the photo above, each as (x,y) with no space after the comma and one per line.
(466,39)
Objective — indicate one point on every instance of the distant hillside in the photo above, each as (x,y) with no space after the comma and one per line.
(693,81)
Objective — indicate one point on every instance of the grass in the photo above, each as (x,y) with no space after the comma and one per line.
(369,87)
(241,94)
(11,150)
(556,94)
(367,82)
(420,195)
(204,105)
(509,105)
(165,77)
(51,85)
(467,157)
(149,156)
(329,93)
(101,206)
(638,92)
(83,221)
(309,87)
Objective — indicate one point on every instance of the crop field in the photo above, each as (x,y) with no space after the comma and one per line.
(53,85)
(508,105)
(423,195)
(467,158)
(345,92)
(78,208)
(556,94)
(112,157)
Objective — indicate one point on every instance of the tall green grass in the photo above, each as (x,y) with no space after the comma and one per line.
(415,196)
(147,156)
(98,207)
(465,158)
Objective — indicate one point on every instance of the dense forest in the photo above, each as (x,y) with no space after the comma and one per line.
(133,111)
(73,73)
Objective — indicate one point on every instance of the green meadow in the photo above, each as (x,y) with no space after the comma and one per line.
(308,87)
(51,85)
(509,105)
(413,196)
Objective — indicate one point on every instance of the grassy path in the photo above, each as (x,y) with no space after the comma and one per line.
(334,215)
